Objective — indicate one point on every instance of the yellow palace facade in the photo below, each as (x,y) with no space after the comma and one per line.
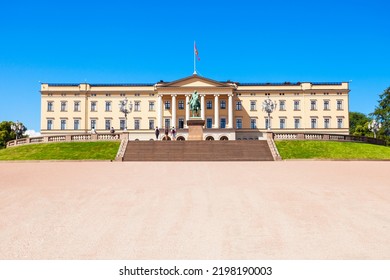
(231,110)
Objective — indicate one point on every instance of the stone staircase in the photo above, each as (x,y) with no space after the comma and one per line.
(256,150)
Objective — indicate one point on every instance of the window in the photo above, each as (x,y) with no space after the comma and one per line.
(223,123)
(253,124)
(93,106)
(181,105)
(93,124)
(282,105)
(49,124)
(296,105)
(209,123)
(63,106)
(76,124)
(167,105)
(253,105)
(108,106)
(238,106)
(326,123)
(267,124)
(223,104)
(282,123)
(313,123)
(136,124)
(326,105)
(151,105)
(168,123)
(137,106)
(108,124)
(238,123)
(151,124)
(339,123)
(297,123)
(77,106)
(209,104)
(339,104)
(313,105)
(50,106)
(122,124)
(63,124)
(181,123)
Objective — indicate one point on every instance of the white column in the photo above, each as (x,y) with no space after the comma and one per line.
(202,108)
(174,110)
(230,114)
(216,111)
(159,111)
(187,110)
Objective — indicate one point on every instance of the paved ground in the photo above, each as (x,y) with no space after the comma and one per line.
(190,210)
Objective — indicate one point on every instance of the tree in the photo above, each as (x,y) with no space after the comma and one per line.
(382,113)
(7,134)
(356,120)
(362,130)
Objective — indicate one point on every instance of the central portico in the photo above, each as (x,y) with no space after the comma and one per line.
(176,95)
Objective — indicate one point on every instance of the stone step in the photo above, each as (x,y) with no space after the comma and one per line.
(197,151)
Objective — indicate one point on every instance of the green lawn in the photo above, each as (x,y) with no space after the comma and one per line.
(62,151)
(299,149)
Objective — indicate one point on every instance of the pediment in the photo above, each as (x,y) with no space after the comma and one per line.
(195,81)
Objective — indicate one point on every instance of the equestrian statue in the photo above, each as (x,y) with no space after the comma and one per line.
(195,104)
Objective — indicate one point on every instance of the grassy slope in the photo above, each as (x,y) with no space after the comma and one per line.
(62,151)
(331,150)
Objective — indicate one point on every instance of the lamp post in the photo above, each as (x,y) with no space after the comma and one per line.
(269,106)
(19,128)
(374,126)
(125,109)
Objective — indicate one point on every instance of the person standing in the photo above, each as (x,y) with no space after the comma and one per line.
(166,133)
(173,132)
(157,132)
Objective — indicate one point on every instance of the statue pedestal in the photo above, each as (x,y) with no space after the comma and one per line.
(195,129)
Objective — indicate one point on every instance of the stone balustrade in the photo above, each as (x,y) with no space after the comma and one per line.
(68,138)
(284,136)
(327,137)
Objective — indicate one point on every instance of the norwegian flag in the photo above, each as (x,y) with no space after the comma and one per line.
(196,51)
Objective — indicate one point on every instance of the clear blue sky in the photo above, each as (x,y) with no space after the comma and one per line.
(147,41)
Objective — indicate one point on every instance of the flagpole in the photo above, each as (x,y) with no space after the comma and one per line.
(194,60)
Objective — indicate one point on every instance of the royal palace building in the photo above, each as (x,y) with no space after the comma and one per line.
(231,110)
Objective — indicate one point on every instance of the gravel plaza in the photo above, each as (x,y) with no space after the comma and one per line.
(195,210)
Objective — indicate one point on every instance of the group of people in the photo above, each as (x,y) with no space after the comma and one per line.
(166,132)
(172,131)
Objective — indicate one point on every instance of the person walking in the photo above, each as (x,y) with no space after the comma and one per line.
(157,132)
